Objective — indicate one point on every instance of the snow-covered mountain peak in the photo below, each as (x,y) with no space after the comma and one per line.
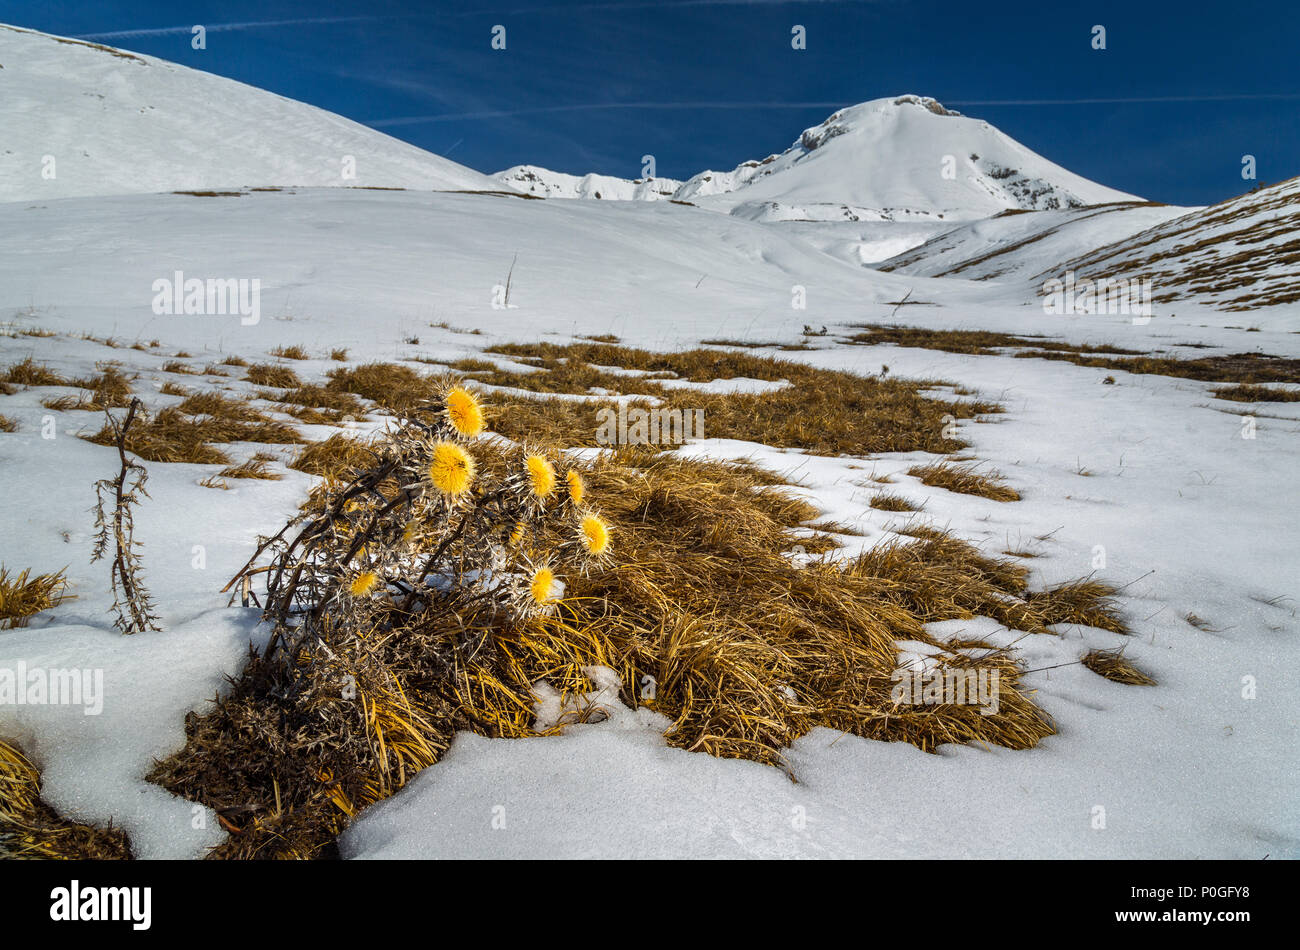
(899,158)
(845,120)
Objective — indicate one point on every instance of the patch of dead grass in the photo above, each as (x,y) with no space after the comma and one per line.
(267,374)
(748,650)
(291,353)
(23,596)
(1247,393)
(889,501)
(30,373)
(1115,667)
(964,479)
(186,433)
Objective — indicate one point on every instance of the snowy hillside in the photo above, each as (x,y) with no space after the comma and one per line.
(1015,244)
(548,184)
(81,119)
(1240,254)
(1151,444)
(904,158)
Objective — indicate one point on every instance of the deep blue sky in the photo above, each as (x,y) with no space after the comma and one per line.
(709,83)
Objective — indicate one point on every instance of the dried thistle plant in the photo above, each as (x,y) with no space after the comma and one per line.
(439,520)
(115,523)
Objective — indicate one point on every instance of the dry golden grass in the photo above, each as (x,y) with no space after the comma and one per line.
(31,373)
(824,412)
(186,433)
(290,353)
(111,389)
(1112,665)
(390,385)
(30,829)
(256,467)
(279,377)
(22,596)
(1086,603)
(747,651)
(1257,394)
(340,355)
(233,360)
(747,648)
(979,342)
(1230,368)
(333,458)
(7,424)
(964,479)
(888,501)
(319,397)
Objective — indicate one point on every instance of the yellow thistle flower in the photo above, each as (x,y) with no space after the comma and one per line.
(542,585)
(364,584)
(577,489)
(464,412)
(452,469)
(595,534)
(541,475)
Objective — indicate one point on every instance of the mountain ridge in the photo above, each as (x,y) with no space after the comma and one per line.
(901,157)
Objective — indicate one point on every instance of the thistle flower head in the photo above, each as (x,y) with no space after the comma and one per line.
(451,470)
(594,534)
(577,488)
(542,586)
(364,584)
(541,475)
(464,412)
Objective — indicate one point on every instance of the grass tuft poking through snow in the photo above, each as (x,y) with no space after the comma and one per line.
(267,374)
(184,433)
(1112,665)
(22,595)
(965,480)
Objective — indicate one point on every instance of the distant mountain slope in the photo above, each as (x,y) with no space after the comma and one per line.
(1015,244)
(904,158)
(1239,254)
(545,183)
(119,123)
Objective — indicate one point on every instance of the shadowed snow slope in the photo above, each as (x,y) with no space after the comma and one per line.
(121,123)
